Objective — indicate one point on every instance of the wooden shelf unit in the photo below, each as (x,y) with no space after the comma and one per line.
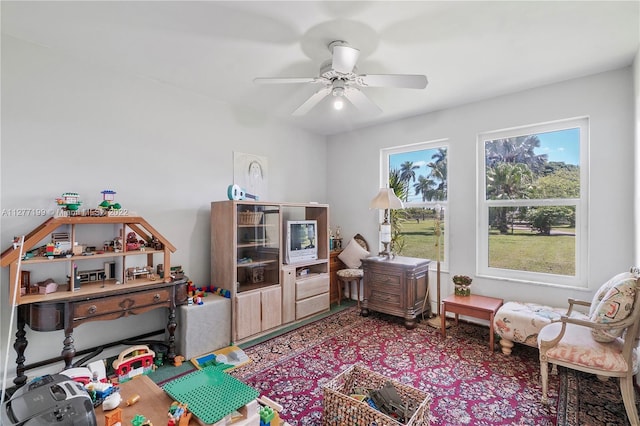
(100,300)
(39,235)
(266,301)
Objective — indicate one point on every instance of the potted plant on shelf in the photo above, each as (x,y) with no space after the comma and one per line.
(462,285)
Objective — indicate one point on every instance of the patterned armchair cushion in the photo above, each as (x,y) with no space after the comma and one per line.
(577,347)
(614,303)
(602,291)
(521,322)
(353,254)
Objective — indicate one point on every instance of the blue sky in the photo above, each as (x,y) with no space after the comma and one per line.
(560,146)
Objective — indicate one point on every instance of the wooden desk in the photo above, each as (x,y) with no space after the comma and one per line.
(111,302)
(395,286)
(474,306)
(154,403)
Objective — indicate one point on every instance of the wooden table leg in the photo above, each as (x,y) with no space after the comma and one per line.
(443,328)
(491,332)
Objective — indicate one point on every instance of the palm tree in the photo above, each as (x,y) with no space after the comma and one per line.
(520,149)
(507,181)
(439,173)
(407,174)
(426,187)
(401,190)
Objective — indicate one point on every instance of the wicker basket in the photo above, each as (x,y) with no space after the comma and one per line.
(341,409)
(249,218)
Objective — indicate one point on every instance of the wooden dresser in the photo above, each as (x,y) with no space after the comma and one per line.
(335,264)
(396,286)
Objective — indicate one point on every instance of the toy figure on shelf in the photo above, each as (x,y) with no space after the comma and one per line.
(70,202)
(132,241)
(155,243)
(107,203)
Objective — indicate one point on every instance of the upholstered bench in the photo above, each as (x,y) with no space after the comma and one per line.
(519,322)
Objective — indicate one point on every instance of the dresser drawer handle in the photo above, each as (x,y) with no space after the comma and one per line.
(156,297)
(92,309)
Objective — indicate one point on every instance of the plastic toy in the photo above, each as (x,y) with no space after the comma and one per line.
(133,362)
(221,291)
(135,398)
(107,201)
(266,415)
(132,241)
(177,361)
(178,414)
(111,402)
(113,418)
(140,420)
(69,201)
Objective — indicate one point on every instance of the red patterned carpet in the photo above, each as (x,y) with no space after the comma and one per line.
(468,384)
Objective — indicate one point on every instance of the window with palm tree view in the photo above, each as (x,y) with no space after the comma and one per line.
(418,176)
(533,203)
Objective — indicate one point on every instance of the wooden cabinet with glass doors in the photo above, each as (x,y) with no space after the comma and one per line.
(245,259)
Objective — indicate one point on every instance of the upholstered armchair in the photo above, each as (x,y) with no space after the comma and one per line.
(605,344)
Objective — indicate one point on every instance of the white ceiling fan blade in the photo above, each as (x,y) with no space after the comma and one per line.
(407,81)
(279,80)
(361,101)
(312,101)
(344,58)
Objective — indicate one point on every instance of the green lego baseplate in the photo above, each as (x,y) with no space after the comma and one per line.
(210,394)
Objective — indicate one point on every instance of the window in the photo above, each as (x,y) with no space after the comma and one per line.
(532,203)
(418,175)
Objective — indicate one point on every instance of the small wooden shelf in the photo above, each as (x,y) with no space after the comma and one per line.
(35,238)
(255,263)
(79,258)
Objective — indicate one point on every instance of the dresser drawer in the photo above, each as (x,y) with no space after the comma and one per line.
(312,286)
(381,298)
(120,303)
(385,280)
(312,305)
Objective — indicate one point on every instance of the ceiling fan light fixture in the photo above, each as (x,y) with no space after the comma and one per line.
(340,78)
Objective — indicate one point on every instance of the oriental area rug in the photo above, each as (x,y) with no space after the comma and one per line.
(468,384)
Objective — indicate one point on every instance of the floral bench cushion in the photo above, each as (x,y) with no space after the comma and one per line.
(521,322)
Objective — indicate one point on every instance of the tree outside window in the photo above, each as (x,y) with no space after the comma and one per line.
(533,202)
(418,176)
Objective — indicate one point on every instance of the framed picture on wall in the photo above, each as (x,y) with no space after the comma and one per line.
(250,173)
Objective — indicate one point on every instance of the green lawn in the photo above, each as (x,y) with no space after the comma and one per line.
(523,250)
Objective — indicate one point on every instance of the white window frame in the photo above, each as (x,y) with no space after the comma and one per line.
(384,183)
(581,206)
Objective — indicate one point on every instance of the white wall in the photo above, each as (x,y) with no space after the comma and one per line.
(636,92)
(68,125)
(606,98)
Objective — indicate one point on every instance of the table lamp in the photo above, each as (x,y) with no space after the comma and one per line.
(386,200)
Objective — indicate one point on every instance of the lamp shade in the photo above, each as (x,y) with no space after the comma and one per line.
(386,199)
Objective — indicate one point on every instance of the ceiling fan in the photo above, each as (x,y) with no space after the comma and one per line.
(340,78)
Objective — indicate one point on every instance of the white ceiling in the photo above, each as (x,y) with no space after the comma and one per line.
(468,50)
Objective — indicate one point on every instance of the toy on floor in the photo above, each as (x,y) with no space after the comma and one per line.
(178,360)
(178,414)
(113,418)
(140,420)
(139,355)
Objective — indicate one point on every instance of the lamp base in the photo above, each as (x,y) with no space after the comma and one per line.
(436,322)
